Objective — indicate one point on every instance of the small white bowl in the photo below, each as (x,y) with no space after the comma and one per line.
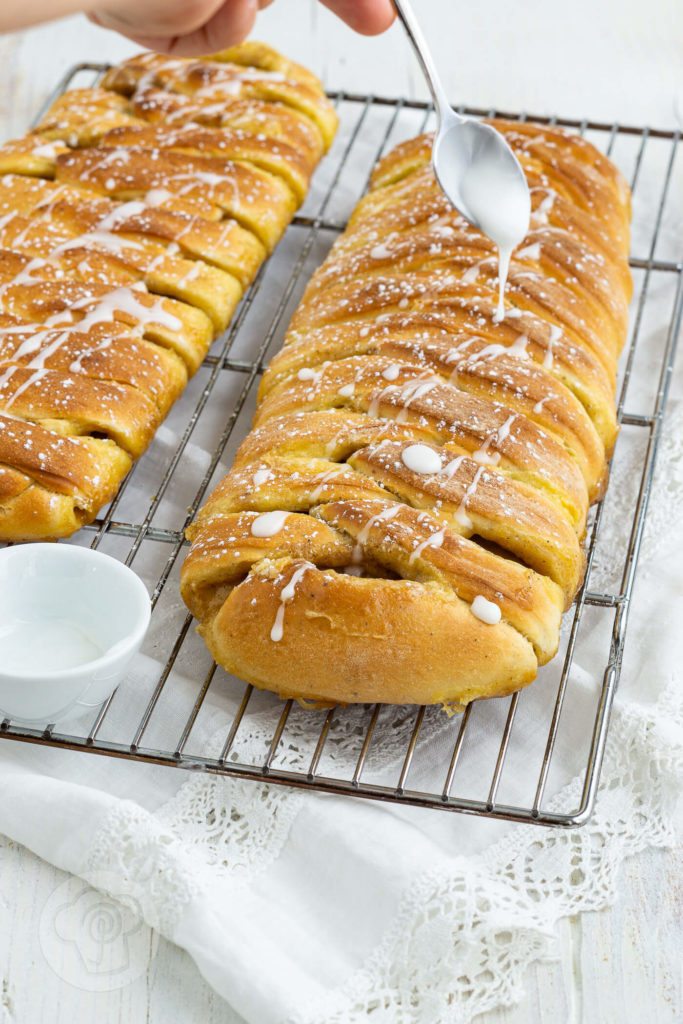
(71,620)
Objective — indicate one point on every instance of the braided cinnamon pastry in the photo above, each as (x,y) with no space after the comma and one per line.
(404,521)
(131,221)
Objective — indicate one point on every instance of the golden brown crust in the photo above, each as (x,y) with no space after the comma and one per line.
(230,75)
(131,221)
(255,199)
(404,522)
(344,637)
(282,160)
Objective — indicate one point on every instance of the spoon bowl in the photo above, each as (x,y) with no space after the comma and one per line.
(483,179)
(474,165)
(472,162)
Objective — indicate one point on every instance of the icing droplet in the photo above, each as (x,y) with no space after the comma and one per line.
(421,459)
(380,252)
(391,372)
(268,524)
(486,610)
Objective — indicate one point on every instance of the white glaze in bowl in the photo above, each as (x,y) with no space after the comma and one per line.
(71,620)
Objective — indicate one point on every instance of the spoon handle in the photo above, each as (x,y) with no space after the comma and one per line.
(419,43)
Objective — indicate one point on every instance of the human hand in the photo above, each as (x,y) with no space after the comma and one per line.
(187,27)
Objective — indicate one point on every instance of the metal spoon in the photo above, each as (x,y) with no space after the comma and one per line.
(472,162)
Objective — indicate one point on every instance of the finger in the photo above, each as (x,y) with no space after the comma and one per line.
(230,24)
(155,18)
(370,17)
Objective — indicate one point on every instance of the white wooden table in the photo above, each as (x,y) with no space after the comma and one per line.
(622,964)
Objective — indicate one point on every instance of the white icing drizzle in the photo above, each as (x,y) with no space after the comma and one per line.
(540,214)
(373,408)
(232,84)
(31,344)
(518,348)
(324,479)
(485,610)
(504,254)
(530,252)
(351,570)
(286,595)
(384,516)
(5,377)
(347,390)
(451,468)
(121,299)
(6,218)
(268,524)
(48,149)
(503,431)
(76,366)
(193,273)
(433,541)
(413,391)
(482,455)
(380,252)
(25,275)
(102,240)
(421,459)
(408,393)
(157,196)
(442,228)
(119,213)
(461,512)
(472,273)
(33,378)
(555,335)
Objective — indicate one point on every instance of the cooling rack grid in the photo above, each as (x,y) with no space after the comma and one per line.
(415,756)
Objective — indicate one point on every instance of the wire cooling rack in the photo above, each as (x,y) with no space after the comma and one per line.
(180,710)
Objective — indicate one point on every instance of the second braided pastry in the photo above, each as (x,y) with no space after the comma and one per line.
(404,521)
